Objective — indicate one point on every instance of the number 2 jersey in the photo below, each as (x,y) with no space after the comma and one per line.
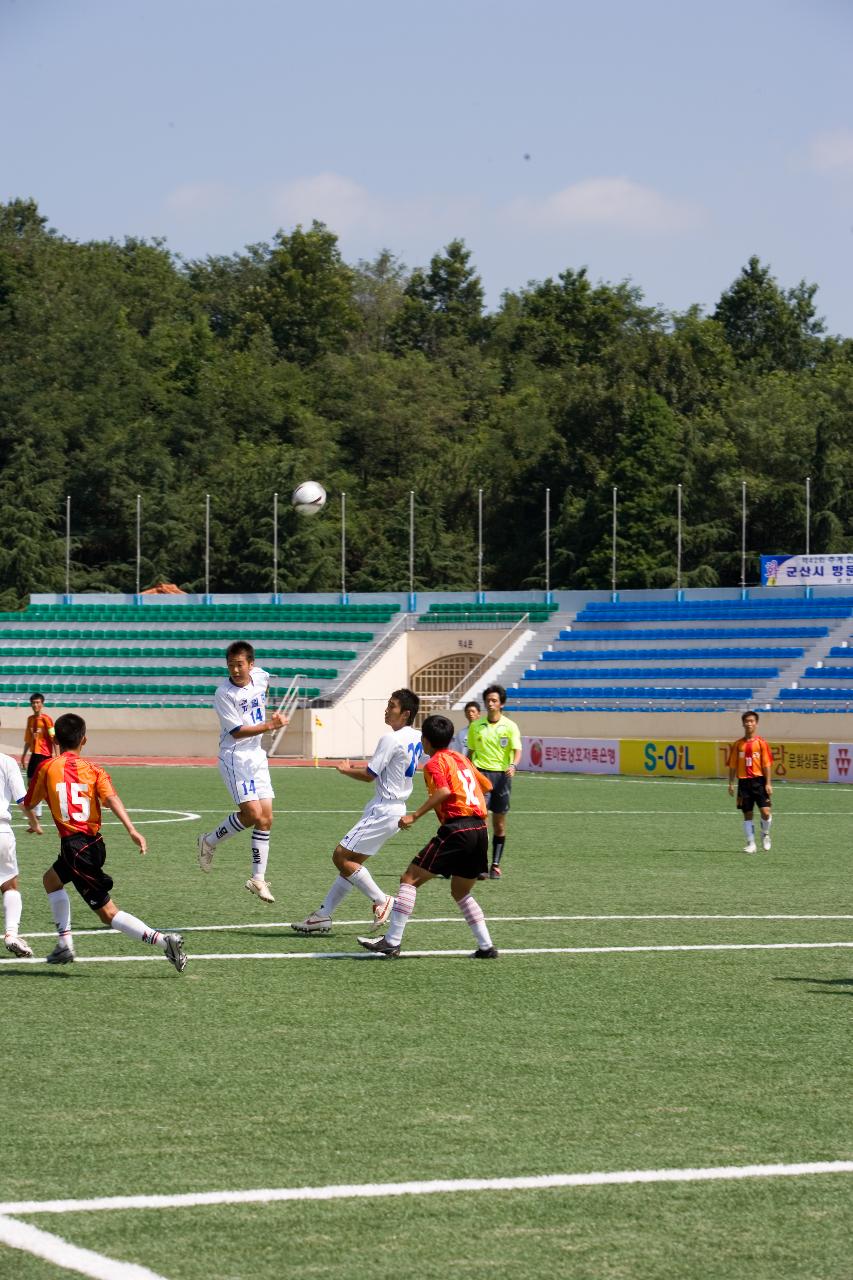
(74,789)
(240,706)
(394,764)
(464,781)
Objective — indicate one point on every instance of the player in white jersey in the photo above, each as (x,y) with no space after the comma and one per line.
(392,768)
(241,704)
(12,791)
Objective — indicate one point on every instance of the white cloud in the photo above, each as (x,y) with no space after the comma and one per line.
(832,152)
(193,198)
(615,203)
(338,201)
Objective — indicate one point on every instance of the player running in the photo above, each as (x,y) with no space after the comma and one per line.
(392,770)
(751,760)
(459,850)
(74,791)
(241,704)
(12,791)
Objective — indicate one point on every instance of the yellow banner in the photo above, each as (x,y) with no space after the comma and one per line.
(663,757)
(797,761)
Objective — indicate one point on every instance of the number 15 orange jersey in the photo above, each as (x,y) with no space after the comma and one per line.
(73,789)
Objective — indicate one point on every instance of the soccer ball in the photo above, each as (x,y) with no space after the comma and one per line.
(308,498)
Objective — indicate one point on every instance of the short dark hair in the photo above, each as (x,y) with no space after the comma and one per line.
(438,731)
(472,703)
(495,688)
(70,731)
(240,646)
(33,696)
(408,702)
(749,713)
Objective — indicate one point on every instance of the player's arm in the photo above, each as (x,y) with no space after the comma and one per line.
(276,721)
(113,802)
(432,801)
(485,783)
(34,827)
(732,762)
(767,760)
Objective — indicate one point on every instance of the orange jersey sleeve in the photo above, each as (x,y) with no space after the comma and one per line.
(448,770)
(73,789)
(751,757)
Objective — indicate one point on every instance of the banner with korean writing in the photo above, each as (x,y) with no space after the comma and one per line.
(813,571)
(841,762)
(569,755)
(669,758)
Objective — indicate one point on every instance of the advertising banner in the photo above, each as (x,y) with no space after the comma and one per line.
(569,755)
(669,758)
(841,762)
(815,571)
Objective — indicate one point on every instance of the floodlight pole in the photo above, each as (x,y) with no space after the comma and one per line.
(808,511)
(344,596)
(743,539)
(138,542)
(412,598)
(68,549)
(678,551)
(547,546)
(613,555)
(207,548)
(479,546)
(275,548)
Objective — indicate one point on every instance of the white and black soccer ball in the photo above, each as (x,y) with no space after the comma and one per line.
(308,498)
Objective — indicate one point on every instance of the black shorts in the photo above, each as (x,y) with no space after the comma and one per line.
(459,848)
(752,792)
(35,762)
(81,860)
(497,800)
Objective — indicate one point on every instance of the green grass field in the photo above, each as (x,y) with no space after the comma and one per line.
(584,1054)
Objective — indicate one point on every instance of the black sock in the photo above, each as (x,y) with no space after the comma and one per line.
(498,843)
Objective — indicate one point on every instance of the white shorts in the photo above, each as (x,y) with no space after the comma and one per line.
(8,859)
(246,777)
(378,823)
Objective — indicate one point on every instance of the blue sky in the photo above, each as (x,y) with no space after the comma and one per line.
(662,142)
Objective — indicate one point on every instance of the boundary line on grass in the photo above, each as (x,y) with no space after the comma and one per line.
(466,951)
(41,1244)
(377,1190)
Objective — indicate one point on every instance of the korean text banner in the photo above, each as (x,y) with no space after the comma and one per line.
(796,761)
(816,571)
(569,755)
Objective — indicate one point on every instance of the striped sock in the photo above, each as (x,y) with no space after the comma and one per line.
(228,827)
(124,922)
(260,854)
(473,913)
(404,905)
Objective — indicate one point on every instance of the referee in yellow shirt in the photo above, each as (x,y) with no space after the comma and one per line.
(494,746)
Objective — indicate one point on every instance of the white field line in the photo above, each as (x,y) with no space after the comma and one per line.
(196,956)
(416,920)
(40,1244)
(379,1190)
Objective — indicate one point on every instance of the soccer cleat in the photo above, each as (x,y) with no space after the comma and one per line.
(485,953)
(495,873)
(379,947)
(62,953)
(175,953)
(381,912)
(749,848)
(313,924)
(484,875)
(205,853)
(17,946)
(261,889)
(765,844)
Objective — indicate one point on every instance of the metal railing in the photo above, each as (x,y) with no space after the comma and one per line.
(285,708)
(497,650)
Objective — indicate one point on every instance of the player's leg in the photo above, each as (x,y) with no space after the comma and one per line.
(461,888)
(404,904)
(766,822)
(12,903)
(54,881)
(748,825)
(171,944)
(361,842)
(258,814)
(500,796)
(233,824)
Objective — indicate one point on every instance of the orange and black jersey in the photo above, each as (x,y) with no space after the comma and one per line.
(74,790)
(447,769)
(38,735)
(750,757)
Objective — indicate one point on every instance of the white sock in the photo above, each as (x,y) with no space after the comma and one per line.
(335,896)
(37,810)
(260,854)
(60,909)
(12,908)
(749,828)
(473,913)
(765,825)
(228,827)
(404,905)
(134,928)
(363,880)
